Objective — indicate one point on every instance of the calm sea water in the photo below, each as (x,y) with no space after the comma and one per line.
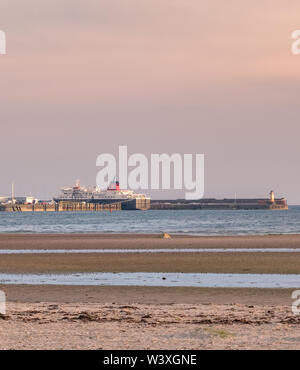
(197,222)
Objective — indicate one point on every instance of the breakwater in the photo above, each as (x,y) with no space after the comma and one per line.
(220,204)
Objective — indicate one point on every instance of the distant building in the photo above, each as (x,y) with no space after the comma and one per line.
(19,200)
(3,199)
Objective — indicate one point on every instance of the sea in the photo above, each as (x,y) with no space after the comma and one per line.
(181,222)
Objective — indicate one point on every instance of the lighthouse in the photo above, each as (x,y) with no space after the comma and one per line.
(272,196)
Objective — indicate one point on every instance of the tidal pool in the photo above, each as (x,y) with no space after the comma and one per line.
(165,250)
(157,279)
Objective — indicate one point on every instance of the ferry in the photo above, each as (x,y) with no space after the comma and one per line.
(113,194)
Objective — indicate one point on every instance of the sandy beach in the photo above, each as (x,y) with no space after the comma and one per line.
(78,317)
(137,326)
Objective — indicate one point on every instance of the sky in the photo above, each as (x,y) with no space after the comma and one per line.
(82,77)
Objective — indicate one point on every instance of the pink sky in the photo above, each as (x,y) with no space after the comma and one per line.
(82,77)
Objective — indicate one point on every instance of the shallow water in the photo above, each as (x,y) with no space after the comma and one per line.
(157,279)
(183,250)
(197,222)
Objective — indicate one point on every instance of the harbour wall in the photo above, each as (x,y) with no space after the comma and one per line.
(220,204)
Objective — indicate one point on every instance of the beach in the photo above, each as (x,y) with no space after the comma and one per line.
(283,263)
(137,326)
(129,317)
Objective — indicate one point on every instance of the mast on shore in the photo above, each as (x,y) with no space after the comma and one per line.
(12,193)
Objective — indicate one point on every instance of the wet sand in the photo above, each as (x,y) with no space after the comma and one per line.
(145,295)
(277,263)
(61,317)
(131,241)
(268,262)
